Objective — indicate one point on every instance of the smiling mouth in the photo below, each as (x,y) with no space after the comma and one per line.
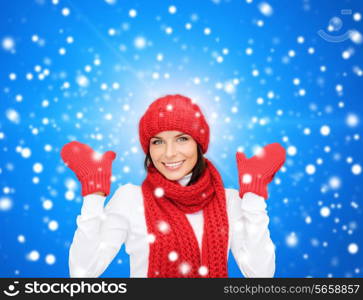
(173,166)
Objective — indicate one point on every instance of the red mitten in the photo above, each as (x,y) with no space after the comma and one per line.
(255,173)
(93,170)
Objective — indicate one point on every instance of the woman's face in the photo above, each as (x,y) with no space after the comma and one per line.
(173,153)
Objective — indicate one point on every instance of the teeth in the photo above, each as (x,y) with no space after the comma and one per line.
(174,165)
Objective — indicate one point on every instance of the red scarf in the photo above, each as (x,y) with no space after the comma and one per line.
(174,249)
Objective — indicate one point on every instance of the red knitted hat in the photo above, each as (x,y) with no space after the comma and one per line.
(174,112)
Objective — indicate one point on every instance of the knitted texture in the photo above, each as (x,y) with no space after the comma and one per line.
(255,173)
(92,170)
(173,112)
(174,249)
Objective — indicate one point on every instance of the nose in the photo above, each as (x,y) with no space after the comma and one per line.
(170,150)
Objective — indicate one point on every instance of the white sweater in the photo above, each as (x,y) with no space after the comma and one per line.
(102,231)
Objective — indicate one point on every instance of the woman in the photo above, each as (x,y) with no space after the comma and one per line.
(182,221)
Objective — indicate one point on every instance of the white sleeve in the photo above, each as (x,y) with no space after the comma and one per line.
(251,244)
(99,235)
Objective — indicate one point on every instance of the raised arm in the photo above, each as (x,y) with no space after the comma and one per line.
(251,243)
(100,232)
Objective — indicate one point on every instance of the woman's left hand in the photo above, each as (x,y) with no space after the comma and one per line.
(255,173)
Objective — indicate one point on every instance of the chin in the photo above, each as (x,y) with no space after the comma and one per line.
(172,176)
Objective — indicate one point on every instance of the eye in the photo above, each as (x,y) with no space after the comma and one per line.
(155,142)
(184,138)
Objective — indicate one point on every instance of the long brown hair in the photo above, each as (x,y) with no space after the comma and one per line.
(197,170)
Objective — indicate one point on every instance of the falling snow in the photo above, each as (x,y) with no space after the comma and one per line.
(90,79)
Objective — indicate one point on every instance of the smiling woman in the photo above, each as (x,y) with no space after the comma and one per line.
(175,154)
(181,221)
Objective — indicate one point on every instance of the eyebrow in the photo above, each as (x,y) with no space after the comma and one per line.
(157,137)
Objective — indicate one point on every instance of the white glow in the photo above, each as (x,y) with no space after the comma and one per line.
(5,204)
(37,167)
(265,9)
(69,195)
(203,270)
(356,169)
(33,255)
(47,204)
(357,17)
(291,150)
(13,116)
(291,239)
(159,192)
(82,81)
(163,227)
(246,178)
(310,169)
(325,211)
(207,31)
(335,182)
(21,238)
(151,238)
(8,43)
(172,9)
(66,11)
(173,256)
(352,120)
(140,42)
(356,37)
(353,248)
(26,152)
(184,268)
(53,225)
(132,13)
(325,130)
(50,259)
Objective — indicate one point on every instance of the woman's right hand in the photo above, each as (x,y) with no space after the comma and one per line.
(92,169)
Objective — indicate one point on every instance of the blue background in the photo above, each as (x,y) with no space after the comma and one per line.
(97,91)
